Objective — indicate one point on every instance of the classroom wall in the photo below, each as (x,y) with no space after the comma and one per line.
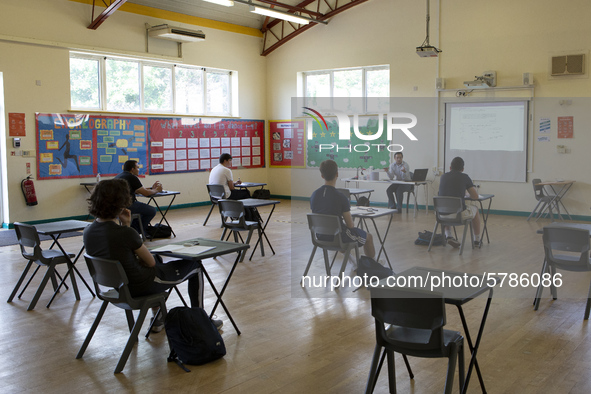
(34,39)
(507,36)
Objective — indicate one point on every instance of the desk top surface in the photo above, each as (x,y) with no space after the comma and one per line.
(62,226)
(384,181)
(219,248)
(250,184)
(163,193)
(367,212)
(551,183)
(354,191)
(481,197)
(258,202)
(456,295)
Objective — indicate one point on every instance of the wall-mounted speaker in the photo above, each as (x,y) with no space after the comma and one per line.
(439,83)
(528,79)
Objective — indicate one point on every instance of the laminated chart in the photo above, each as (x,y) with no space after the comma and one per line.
(288,143)
(195,144)
(82,145)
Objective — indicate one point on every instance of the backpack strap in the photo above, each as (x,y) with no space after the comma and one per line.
(173,357)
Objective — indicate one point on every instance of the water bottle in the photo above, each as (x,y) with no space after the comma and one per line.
(98,177)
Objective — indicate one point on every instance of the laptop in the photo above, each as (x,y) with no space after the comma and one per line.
(420,175)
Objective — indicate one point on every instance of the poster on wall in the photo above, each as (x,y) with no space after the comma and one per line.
(82,145)
(288,144)
(195,144)
(565,126)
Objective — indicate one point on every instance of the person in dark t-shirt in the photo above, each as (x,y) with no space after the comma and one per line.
(147,274)
(328,201)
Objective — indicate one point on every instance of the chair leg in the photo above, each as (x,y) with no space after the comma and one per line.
(588,306)
(130,319)
(207,218)
(46,277)
(391,371)
(29,281)
(552,287)
(540,287)
(326,264)
(464,239)
(90,334)
(310,261)
(20,281)
(461,365)
(433,236)
(373,370)
(451,369)
(534,211)
(223,234)
(410,374)
(132,339)
(345,261)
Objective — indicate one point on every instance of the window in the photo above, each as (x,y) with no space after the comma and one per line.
(132,85)
(371,84)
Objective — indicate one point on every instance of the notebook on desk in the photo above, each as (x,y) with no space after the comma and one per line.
(420,175)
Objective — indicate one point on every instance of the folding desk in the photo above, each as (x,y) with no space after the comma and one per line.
(246,185)
(256,203)
(55,230)
(483,213)
(153,197)
(219,248)
(563,187)
(363,213)
(458,296)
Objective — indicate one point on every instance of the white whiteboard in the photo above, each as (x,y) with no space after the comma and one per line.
(491,137)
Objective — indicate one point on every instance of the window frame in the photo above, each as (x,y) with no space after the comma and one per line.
(142,63)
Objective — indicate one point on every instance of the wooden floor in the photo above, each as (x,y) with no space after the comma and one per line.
(298,340)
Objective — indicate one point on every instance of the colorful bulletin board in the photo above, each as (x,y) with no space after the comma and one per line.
(82,145)
(193,144)
(288,143)
(345,158)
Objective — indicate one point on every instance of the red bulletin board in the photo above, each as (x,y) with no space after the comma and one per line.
(565,126)
(195,144)
(287,143)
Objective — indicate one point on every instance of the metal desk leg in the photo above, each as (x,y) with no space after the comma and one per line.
(382,241)
(264,233)
(163,215)
(474,348)
(220,294)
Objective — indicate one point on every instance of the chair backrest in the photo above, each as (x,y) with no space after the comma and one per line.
(345,192)
(416,317)
(109,274)
(538,189)
(28,240)
(325,231)
(216,192)
(448,210)
(567,248)
(232,212)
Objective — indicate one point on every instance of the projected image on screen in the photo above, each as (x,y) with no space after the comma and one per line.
(488,127)
(491,137)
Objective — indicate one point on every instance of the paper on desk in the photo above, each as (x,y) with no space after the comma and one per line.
(191,250)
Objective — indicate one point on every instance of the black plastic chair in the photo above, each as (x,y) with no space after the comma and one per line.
(566,249)
(326,231)
(110,274)
(216,193)
(416,319)
(234,220)
(30,245)
(543,198)
(448,212)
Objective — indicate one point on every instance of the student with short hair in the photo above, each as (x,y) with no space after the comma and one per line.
(328,200)
(222,175)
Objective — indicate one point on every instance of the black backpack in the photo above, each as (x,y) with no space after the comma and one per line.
(370,267)
(192,337)
(159,231)
(262,193)
(425,237)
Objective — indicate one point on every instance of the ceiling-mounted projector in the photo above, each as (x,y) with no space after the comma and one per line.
(176,33)
(427,51)
(487,80)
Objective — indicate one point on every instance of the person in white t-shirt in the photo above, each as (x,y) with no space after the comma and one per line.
(222,175)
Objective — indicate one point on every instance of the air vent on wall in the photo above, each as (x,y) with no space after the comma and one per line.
(176,34)
(568,65)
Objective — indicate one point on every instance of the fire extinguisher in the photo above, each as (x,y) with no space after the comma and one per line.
(28,188)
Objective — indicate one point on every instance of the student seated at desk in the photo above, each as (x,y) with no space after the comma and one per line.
(328,201)
(222,175)
(147,274)
(130,172)
(457,184)
(399,170)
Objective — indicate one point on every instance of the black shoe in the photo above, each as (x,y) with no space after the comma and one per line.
(453,242)
(477,244)
(158,324)
(217,323)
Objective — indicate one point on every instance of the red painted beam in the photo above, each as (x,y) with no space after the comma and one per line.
(105,14)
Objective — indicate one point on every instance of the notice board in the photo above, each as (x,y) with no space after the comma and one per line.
(195,144)
(82,145)
(287,143)
(357,156)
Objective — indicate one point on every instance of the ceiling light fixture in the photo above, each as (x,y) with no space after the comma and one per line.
(225,3)
(279,14)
